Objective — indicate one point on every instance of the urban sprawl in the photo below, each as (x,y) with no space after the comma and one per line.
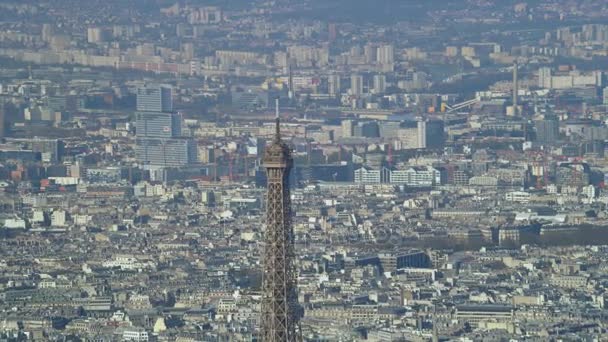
(448,180)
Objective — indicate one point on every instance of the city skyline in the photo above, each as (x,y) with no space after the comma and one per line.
(203,170)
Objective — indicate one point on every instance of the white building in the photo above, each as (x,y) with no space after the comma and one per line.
(517,196)
(417,176)
(385,54)
(366,175)
(356,85)
(124,262)
(135,335)
(572,79)
(59,218)
(379,84)
(589,191)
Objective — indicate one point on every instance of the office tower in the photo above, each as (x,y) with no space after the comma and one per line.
(547,130)
(430,134)
(279,301)
(605,96)
(158,124)
(154,98)
(386,54)
(356,85)
(333,85)
(379,84)
(173,152)
(159,143)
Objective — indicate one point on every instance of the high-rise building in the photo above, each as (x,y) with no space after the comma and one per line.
(159,142)
(161,152)
(155,98)
(333,85)
(605,96)
(356,85)
(158,124)
(386,54)
(379,84)
(370,52)
(547,130)
(280,312)
(430,134)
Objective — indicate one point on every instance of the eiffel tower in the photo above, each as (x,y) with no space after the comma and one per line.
(279,319)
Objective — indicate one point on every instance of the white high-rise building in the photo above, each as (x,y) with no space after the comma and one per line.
(386,54)
(379,84)
(333,82)
(370,51)
(421,134)
(356,85)
(155,98)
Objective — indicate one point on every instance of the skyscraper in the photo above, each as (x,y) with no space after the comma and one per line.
(547,130)
(430,134)
(155,98)
(173,152)
(159,142)
(279,300)
(158,125)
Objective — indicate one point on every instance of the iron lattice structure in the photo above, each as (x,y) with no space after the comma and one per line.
(279,299)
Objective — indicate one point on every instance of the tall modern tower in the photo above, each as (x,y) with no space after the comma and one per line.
(155,98)
(279,299)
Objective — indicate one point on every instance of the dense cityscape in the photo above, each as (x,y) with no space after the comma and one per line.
(191,170)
